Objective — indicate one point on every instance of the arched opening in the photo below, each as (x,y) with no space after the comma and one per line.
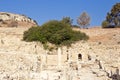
(79,57)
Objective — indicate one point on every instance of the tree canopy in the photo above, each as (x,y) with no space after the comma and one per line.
(55,32)
(113,17)
(83,20)
(67,20)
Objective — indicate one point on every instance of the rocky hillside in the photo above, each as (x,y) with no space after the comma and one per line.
(104,36)
(15,20)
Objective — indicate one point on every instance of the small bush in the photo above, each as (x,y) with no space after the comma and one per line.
(105,24)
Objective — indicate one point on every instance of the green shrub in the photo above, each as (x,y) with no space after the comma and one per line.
(67,20)
(105,24)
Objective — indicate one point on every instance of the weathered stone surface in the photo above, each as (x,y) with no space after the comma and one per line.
(20,60)
(15,20)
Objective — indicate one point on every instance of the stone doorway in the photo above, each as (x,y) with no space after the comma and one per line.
(79,56)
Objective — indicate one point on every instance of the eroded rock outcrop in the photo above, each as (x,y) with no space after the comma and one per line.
(15,20)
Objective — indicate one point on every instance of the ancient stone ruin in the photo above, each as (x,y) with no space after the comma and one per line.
(20,60)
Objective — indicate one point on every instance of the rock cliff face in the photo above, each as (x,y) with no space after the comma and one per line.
(15,20)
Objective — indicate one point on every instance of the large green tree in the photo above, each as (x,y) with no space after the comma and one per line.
(113,17)
(55,32)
